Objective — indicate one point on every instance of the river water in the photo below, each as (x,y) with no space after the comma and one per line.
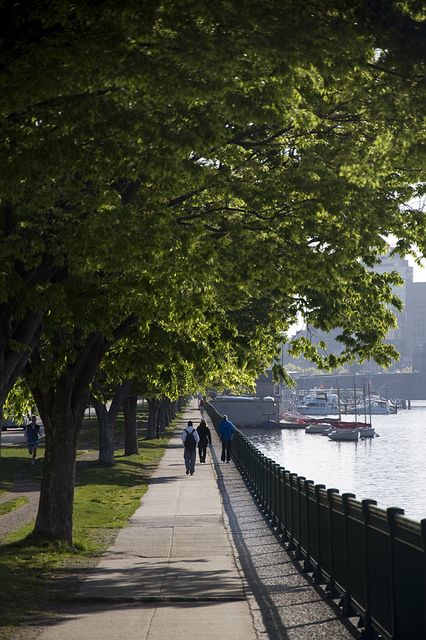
(390,469)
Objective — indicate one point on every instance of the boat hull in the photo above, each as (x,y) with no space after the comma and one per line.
(344,435)
(317,428)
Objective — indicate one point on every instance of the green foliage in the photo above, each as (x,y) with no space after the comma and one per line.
(210,170)
(19,401)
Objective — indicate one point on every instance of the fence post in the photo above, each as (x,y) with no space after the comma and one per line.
(345,602)
(257,460)
(290,544)
(270,499)
(298,554)
(284,534)
(318,578)
(275,496)
(423,534)
(330,587)
(367,632)
(390,516)
(261,494)
(307,564)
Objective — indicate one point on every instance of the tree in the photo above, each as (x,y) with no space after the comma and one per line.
(107,417)
(250,158)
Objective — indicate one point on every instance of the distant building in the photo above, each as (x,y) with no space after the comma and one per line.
(400,337)
(409,337)
(416,324)
(265,386)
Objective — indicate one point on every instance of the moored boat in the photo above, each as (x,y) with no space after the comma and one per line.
(367,432)
(319,427)
(343,435)
(318,403)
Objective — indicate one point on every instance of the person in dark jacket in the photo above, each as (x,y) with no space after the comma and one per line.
(205,439)
(32,433)
(190,440)
(226,432)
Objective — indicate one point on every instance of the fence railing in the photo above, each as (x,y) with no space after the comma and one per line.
(373,560)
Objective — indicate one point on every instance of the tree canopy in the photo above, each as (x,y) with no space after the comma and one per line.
(200,175)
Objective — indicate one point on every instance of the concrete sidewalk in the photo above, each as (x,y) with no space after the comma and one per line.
(171,573)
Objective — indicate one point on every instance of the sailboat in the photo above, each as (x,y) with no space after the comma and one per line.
(352,431)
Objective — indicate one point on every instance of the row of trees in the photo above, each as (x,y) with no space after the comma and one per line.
(182,181)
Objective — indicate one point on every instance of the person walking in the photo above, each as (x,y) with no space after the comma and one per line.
(226,432)
(190,440)
(205,439)
(32,433)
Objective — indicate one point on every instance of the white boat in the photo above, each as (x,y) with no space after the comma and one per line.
(342,435)
(319,403)
(377,407)
(367,432)
(317,428)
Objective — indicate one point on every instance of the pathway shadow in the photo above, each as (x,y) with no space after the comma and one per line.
(252,533)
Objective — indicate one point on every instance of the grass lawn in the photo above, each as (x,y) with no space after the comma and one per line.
(33,577)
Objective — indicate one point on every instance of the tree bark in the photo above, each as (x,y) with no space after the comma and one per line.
(163,415)
(153,406)
(130,425)
(62,411)
(107,419)
(106,424)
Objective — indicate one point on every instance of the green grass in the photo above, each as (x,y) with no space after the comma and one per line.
(12,460)
(7,507)
(105,498)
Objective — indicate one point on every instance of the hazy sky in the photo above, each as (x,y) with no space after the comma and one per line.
(419,273)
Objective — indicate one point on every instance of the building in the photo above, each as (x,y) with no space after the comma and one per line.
(416,324)
(400,337)
(409,337)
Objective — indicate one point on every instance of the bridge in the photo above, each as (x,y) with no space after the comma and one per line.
(404,386)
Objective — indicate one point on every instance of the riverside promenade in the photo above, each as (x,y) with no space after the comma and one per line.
(196,560)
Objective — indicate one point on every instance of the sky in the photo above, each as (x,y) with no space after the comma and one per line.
(419,273)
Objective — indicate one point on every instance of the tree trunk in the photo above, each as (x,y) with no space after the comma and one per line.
(62,407)
(163,415)
(107,419)
(106,423)
(153,406)
(130,425)
(62,412)
(1,417)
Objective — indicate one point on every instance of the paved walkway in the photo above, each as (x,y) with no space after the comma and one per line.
(175,574)
(171,574)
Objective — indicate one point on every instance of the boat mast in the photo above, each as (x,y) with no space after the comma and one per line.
(338,400)
(369,400)
(355,407)
(365,402)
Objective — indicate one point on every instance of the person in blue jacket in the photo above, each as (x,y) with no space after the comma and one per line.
(226,432)
(32,433)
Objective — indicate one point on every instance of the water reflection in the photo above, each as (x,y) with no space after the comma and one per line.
(389,469)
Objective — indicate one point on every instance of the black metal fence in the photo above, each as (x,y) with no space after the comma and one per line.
(372,560)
